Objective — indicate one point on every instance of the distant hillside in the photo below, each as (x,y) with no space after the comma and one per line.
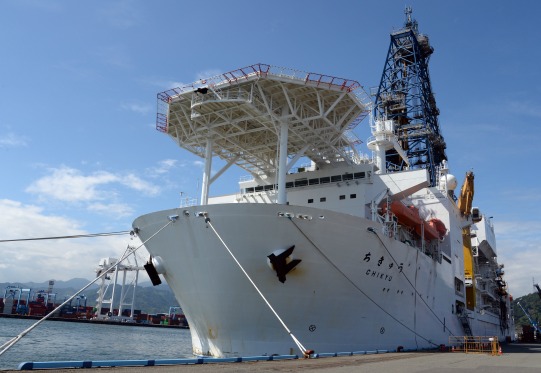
(149,299)
(532,304)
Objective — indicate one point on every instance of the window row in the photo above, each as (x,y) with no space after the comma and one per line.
(314,181)
(341,197)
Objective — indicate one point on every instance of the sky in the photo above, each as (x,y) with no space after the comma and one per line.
(79,152)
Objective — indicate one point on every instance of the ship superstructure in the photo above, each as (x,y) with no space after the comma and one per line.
(339,250)
(264,119)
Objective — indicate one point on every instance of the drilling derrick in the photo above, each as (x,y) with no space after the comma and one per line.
(406,104)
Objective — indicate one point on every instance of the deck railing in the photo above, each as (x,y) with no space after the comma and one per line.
(475,345)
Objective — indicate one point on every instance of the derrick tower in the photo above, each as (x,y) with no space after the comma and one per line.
(406,103)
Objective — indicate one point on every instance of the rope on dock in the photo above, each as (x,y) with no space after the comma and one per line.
(6,346)
(305,352)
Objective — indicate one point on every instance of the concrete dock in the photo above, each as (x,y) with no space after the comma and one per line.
(524,358)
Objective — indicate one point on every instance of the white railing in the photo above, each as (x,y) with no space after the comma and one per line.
(188,201)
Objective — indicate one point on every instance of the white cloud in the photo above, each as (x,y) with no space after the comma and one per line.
(123,14)
(71,185)
(207,74)
(118,210)
(520,274)
(526,108)
(522,230)
(519,248)
(134,182)
(10,140)
(137,107)
(528,194)
(175,84)
(59,259)
(163,167)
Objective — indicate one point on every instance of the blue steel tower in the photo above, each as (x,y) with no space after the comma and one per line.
(405,97)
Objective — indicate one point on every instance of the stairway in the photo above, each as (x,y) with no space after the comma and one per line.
(465,324)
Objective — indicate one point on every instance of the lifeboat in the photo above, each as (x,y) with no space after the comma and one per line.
(409,216)
(431,232)
(439,226)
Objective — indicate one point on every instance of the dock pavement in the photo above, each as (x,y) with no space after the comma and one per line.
(523,358)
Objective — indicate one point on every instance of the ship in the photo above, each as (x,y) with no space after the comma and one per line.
(325,248)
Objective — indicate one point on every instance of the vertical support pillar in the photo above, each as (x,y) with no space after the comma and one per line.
(100,297)
(380,160)
(122,294)
(282,160)
(206,173)
(112,307)
(133,297)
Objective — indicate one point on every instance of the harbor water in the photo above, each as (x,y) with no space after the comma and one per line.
(57,340)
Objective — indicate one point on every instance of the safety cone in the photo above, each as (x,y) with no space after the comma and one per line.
(453,349)
(500,351)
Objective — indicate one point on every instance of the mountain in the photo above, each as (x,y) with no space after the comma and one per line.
(532,304)
(149,299)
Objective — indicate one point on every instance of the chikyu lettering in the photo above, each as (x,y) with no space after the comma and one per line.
(382,263)
(380,275)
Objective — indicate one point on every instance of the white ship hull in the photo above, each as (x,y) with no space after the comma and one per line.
(354,290)
(383,255)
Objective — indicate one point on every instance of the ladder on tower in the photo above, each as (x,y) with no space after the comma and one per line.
(465,324)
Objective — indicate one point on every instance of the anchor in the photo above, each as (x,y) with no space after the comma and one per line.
(281,265)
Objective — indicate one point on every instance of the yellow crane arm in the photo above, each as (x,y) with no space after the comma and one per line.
(466,195)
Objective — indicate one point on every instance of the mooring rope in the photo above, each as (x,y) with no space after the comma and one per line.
(66,237)
(372,230)
(358,288)
(304,351)
(6,346)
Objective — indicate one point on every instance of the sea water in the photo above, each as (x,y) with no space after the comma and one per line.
(72,341)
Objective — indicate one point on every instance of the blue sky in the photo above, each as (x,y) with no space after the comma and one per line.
(79,152)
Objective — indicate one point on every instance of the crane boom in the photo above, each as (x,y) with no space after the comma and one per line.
(530,319)
(466,195)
